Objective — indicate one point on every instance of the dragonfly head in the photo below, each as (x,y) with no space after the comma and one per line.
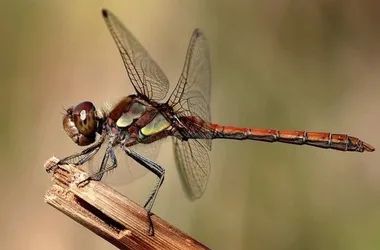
(81,123)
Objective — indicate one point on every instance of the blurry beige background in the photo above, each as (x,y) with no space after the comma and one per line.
(283,64)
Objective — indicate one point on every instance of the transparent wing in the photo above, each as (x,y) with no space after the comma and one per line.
(191,97)
(128,170)
(145,75)
(193,90)
(193,164)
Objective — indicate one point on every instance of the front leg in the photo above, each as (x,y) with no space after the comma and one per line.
(82,157)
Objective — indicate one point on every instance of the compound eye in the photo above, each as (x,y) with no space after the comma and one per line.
(85,119)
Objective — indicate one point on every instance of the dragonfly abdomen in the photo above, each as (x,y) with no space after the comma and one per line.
(341,142)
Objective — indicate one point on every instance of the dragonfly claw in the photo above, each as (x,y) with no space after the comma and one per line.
(94,177)
(84,181)
(151,228)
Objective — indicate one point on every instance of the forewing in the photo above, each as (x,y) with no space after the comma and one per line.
(145,75)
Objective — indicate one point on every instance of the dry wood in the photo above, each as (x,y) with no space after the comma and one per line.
(109,214)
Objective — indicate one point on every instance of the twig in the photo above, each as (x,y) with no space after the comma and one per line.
(109,214)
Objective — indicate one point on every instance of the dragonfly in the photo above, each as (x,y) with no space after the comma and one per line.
(151,115)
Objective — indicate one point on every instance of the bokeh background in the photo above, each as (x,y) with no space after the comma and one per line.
(285,64)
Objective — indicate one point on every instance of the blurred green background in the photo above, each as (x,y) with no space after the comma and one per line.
(285,64)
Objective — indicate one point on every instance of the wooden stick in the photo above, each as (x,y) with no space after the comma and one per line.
(109,214)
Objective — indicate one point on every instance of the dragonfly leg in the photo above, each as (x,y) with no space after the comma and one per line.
(155,169)
(84,156)
(110,153)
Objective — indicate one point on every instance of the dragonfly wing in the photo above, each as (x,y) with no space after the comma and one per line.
(145,75)
(194,83)
(193,164)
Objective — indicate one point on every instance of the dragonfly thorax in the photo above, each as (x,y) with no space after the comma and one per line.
(133,120)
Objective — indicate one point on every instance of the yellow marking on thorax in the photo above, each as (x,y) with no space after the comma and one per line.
(158,124)
(136,110)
